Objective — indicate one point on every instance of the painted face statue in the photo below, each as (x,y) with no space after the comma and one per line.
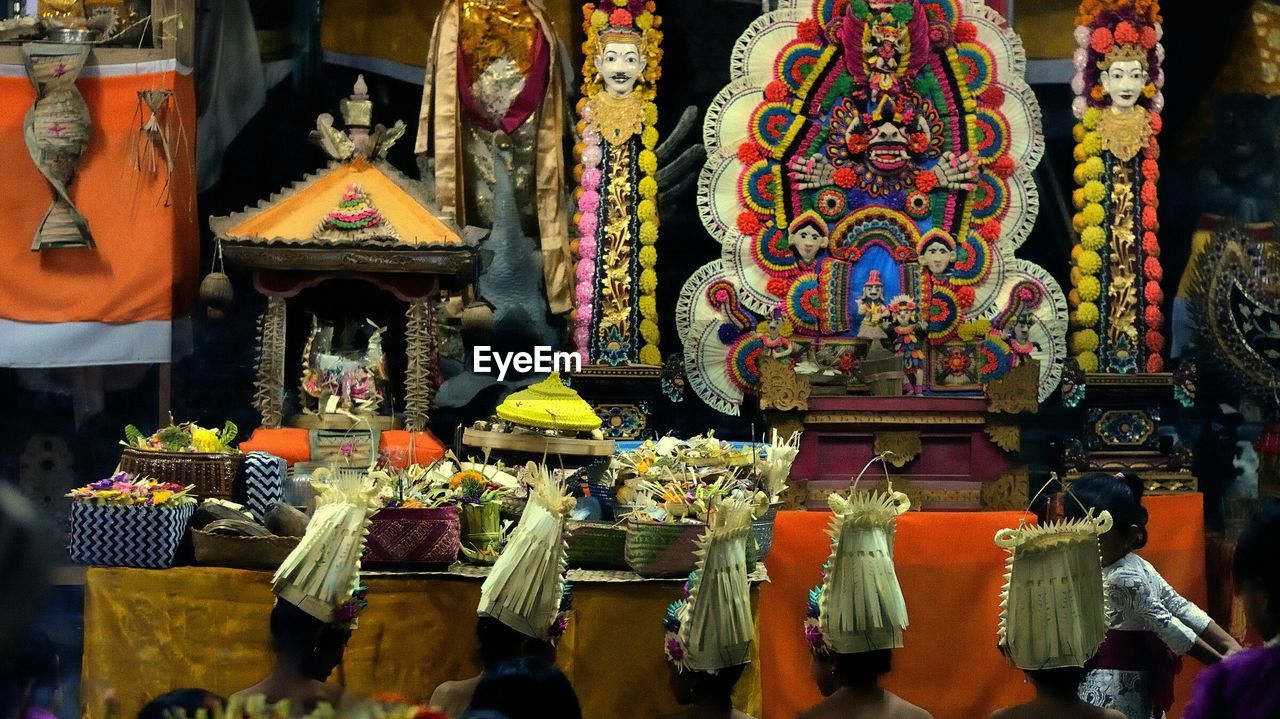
(1123,81)
(937,258)
(808,241)
(620,63)
(904,317)
(873,293)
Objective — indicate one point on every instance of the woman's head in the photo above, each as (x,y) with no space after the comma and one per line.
(316,647)
(1061,683)
(500,643)
(527,688)
(1257,573)
(691,687)
(832,670)
(181,702)
(1119,494)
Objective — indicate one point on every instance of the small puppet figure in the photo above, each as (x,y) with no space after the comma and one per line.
(906,342)
(871,308)
(775,334)
(1019,336)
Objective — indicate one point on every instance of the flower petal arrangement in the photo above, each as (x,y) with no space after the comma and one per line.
(124,490)
(187,437)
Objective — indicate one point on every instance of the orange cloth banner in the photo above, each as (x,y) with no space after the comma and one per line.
(144,266)
(951,574)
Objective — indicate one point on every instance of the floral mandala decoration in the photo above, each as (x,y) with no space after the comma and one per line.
(862,151)
(615,318)
(1116,320)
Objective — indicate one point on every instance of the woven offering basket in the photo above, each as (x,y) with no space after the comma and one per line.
(213,474)
(597,545)
(222,550)
(427,536)
(144,537)
(656,549)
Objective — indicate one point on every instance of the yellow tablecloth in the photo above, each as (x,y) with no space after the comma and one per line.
(147,632)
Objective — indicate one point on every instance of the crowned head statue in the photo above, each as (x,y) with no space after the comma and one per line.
(1123,76)
(622,37)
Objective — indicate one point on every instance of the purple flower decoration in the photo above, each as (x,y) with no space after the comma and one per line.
(675,650)
(346,613)
(558,628)
(814,635)
(347,449)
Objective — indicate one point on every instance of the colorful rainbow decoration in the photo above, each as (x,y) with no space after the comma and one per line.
(888,125)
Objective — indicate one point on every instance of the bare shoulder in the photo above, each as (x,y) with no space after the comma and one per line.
(900,708)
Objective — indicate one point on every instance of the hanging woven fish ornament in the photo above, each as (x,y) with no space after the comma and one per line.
(56,130)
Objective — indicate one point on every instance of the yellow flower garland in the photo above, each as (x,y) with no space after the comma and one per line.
(1086,262)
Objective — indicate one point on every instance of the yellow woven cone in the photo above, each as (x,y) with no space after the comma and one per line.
(549,404)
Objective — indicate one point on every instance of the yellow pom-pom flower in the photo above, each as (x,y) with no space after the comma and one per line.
(1089,288)
(1088,361)
(1091,118)
(1092,144)
(648,233)
(1077,132)
(649,355)
(648,306)
(1085,315)
(647,211)
(648,162)
(648,188)
(1077,198)
(1093,214)
(649,331)
(1094,191)
(1078,154)
(599,19)
(1078,175)
(649,281)
(1089,261)
(1093,168)
(648,256)
(1092,238)
(645,21)
(1082,341)
(649,138)
(650,114)
(1076,275)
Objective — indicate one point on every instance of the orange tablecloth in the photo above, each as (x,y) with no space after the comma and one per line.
(144,266)
(950,570)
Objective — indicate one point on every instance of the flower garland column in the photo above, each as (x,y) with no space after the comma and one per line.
(1116,317)
(615,312)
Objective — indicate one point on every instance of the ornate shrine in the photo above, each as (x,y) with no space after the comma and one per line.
(358,219)
(869,180)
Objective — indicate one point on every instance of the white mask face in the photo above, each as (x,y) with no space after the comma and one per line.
(1123,83)
(620,65)
(807,242)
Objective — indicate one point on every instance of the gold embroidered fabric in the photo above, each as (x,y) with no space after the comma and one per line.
(615,285)
(617,119)
(209,625)
(1124,133)
(440,133)
(493,29)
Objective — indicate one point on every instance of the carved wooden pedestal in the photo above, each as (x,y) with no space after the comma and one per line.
(1122,416)
(622,396)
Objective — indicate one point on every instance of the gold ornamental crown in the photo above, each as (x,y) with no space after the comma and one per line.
(1123,53)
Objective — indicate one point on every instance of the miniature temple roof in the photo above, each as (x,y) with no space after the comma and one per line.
(292,217)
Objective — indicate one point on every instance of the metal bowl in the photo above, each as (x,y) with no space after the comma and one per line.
(72,35)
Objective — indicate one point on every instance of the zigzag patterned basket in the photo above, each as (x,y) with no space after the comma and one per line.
(144,537)
(414,536)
